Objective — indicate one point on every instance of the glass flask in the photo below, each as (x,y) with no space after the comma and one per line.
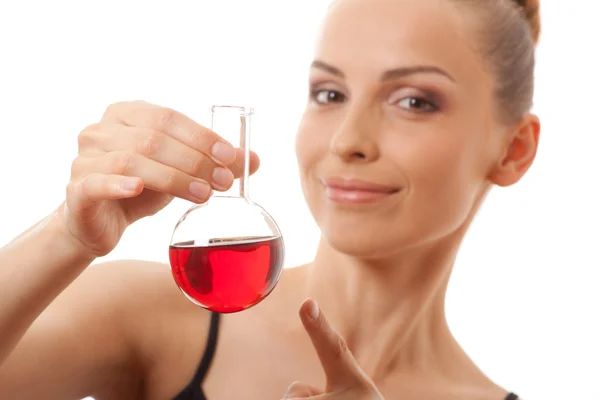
(227,254)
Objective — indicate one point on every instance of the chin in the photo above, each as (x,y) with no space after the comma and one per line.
(363,242)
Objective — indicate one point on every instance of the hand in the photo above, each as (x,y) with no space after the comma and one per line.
(345,379)
(133,162)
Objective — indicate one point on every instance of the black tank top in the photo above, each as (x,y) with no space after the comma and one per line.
(193,391)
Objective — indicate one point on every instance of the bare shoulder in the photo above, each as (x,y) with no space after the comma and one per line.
(139,284)
(130,291)
(160,332)
(143,292)
(165,331)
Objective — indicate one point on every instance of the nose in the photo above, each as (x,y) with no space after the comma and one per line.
(355,140)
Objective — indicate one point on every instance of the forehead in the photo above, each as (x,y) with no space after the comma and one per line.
(368,36)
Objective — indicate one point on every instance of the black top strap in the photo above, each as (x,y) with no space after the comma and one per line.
(209,351)
(512,396)
(194,391)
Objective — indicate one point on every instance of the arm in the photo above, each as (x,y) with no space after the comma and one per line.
(59,340)
(34,269)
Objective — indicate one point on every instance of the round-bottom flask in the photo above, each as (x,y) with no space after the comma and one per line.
(227,254)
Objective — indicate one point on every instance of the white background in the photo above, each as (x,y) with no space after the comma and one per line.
(524,299)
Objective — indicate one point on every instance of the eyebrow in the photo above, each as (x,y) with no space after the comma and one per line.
(387,75)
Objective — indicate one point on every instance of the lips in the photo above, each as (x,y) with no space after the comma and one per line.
(351,190)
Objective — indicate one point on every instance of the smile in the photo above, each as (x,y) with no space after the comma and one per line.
(356,191)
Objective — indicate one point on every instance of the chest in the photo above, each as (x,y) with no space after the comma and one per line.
(254,363)
(249,362)
(261,365)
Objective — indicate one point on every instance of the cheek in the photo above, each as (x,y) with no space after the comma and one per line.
(311,145)
(443,179)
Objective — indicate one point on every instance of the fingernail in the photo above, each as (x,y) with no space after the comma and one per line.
(129,185)
(289,393)
(222,177)
(313,310)
(223,152)
(199,190)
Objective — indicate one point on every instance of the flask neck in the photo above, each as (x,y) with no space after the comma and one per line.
(232,123)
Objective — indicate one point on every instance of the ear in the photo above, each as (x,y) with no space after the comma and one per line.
(519,153)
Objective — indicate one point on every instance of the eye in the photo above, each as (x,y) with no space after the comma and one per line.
(325,96)
(417,104)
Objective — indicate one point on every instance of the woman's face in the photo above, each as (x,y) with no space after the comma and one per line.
(399,99)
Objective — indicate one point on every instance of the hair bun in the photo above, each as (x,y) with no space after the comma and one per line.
(531,12)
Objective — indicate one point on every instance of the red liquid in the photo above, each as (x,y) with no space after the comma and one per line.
(228,277)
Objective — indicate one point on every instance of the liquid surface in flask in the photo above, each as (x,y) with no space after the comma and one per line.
(228,275)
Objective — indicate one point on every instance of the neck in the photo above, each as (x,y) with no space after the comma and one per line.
(391,312)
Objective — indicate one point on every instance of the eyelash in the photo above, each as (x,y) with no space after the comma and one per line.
(431,106)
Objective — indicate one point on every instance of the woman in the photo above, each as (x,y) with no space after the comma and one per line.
(416,109)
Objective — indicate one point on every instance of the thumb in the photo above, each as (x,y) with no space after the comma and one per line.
(341,369)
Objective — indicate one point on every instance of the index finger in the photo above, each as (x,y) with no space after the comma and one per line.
(176,125)
(341,369)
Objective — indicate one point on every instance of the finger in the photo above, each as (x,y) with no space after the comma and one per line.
(155,176)
(84,193)
(339,365)
(179,126)
(163,148)
(175,124)
(299,390)
(237,168)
